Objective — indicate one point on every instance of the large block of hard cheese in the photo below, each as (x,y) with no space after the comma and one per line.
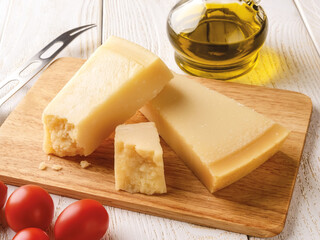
(218,138)
(118,79)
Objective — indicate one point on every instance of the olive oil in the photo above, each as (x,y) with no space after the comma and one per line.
(217,40)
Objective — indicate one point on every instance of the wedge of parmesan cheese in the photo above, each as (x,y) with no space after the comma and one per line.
(219,139)
(118,79)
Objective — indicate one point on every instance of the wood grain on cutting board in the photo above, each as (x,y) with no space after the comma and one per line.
(255,205)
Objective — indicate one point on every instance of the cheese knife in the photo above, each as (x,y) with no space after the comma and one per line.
(23,75)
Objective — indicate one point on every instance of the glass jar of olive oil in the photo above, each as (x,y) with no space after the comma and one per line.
(217,39)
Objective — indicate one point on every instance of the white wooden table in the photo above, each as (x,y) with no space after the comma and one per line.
(289,60)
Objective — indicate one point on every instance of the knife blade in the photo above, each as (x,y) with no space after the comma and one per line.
(21,76)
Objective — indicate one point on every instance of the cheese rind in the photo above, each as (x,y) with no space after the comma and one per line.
(219,139)
(138,163)
(118,79)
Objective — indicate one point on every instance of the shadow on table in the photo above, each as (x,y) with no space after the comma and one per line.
(266,71)
(281,65)
(305,181)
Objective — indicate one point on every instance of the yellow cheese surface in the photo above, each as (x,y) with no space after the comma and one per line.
(138,163)
(218,138)
(118,79)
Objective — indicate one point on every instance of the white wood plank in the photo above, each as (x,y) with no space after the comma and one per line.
(4,9)
(25,28)
(144,22)
(289,61)
(309,11)
(146,25)
(130,225)
(32,24)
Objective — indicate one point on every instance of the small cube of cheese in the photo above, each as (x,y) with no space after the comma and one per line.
(138,159)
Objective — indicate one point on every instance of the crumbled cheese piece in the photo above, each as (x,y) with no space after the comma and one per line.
(42,166)
(49,157)
(138,165)
(84,164)
(56,167)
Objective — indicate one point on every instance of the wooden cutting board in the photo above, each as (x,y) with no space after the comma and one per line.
(256,205)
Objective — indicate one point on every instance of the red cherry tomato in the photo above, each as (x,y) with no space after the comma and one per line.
(3,194)
(82,220)
(29,206)
(31,234)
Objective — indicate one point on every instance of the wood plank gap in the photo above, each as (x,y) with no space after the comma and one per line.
(102,22)
(307,25)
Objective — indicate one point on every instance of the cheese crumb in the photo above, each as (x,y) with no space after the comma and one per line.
(49,158)
(42,166)
(84,164)
(56,167)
